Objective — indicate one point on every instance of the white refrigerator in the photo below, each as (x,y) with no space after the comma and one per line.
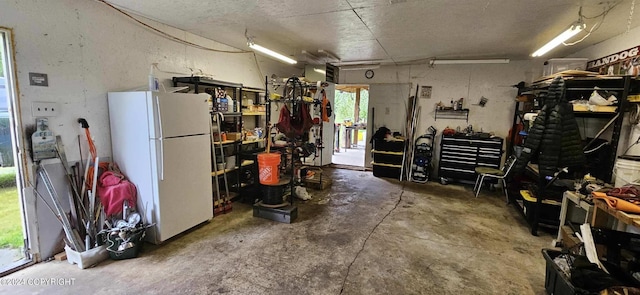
(162,144)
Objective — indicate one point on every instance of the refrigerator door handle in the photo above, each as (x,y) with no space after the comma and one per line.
(161,158)
(159,125)
(161,138)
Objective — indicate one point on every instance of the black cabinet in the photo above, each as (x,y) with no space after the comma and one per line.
(460,154)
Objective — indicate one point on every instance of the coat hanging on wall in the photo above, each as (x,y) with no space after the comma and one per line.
(296,123)
(554,137)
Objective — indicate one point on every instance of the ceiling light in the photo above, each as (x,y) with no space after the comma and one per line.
(570,32)
(468,61)
(321,71)
(359,67)
(312,57)
(271,53)
(328,54)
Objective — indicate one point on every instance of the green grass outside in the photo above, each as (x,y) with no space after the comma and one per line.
(10,222)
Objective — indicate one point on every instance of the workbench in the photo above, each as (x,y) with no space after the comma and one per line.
(607,217)
(598,214)
(575,208)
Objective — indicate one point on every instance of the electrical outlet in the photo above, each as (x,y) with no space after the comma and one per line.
(44,109)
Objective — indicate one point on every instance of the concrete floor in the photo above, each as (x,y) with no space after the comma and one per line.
(351,157)
(365,235)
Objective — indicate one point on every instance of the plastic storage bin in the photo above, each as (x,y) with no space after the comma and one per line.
(388,146)
(556,65)
(555,281)
(385,158)
(86,258)
(386,171)
(136,238)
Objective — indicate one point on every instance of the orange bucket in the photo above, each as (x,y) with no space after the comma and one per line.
(268,168)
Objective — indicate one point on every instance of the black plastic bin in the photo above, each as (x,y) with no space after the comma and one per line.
(114,241)
(386,171)
(388,146)
(383,158)
(555,281)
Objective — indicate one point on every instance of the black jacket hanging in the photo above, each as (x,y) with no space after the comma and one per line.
(555,136)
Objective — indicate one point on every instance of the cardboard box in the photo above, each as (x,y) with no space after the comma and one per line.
(603,109)
(234,136)
(578,107)
(318,181)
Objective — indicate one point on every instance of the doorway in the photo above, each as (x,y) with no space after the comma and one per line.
(387,108)
(13,241)
(351,112)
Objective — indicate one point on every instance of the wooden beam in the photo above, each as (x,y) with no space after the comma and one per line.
(60,256)
(356,109)
(356,115)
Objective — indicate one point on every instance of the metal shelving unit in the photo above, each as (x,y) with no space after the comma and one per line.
(576,88)
(452,114)
(232,123)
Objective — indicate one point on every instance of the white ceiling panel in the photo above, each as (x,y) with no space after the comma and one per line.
(395,30)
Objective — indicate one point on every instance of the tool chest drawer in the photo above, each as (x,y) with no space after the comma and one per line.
(460,155)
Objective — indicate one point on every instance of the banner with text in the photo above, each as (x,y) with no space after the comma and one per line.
(626,62)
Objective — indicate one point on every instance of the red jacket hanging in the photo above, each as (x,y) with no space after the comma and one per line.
(296,125)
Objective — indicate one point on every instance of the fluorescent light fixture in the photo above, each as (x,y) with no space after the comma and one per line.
(272,53)
(321,71)
(312,57)
(328,54)
(359,67)
(468,61)
(570,32)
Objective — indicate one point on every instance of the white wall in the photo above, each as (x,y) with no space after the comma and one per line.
(610,46)
(88,49)
(455,81)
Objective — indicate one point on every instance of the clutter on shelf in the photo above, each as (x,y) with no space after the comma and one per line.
(599,101)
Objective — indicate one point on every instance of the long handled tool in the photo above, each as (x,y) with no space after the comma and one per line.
(92,182)
(78,211)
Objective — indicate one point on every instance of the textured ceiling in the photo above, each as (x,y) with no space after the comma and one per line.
(388,31)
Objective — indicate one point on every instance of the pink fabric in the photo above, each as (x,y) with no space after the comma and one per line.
(113,189)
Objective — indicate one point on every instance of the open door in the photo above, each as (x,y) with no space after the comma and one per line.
(388,108)
(14,245)
(350,108)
